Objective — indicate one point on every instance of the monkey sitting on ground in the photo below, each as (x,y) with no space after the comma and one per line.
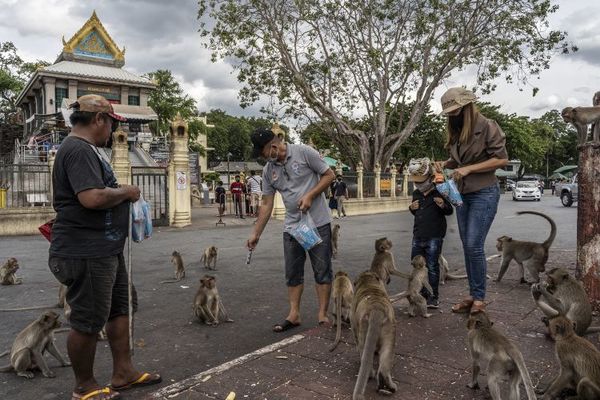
(342,293)
(563,294)
(383,262)
(530,254)
(207,303)
(30,345)
(210,258)
(504,359)
(374,328)
(579,363)
(335,237)
(581,117)
(418,279)
(177,262)
(8,272)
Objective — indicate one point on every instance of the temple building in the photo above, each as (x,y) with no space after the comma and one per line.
(90,63)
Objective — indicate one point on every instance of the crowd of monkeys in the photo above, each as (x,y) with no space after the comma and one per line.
(366,306)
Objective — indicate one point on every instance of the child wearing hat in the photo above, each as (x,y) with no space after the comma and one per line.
(430,209)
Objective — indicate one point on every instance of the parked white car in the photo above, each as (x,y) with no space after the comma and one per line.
(527,190)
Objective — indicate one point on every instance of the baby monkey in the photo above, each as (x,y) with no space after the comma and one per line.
(177,262)
(418,279)
(335,237)
(207,304)
(8,273)
(383,263)
(210,258)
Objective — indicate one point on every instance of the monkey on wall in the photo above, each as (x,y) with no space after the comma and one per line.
(530,255)
(8,272)
(504,359)
(30,345)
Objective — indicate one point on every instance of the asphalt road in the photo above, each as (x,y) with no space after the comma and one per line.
(172,343)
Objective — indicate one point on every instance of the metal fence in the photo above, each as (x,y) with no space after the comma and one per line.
(369,184)
(152,182)
(25,185)
(350,178)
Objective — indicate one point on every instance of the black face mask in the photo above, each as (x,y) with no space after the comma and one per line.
(456,121)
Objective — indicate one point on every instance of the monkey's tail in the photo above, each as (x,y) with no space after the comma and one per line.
(518,359)
(552,236)
(6,368)
(400,274)
(171,280)
(592,329)
(453,276)
(5,353)
(366,358)
(338,320)
(28,308)
(399,296)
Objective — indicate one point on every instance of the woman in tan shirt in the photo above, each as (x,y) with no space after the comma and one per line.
(477,147)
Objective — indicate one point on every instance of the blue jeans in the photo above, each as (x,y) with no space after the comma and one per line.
(430,248)
(475,218)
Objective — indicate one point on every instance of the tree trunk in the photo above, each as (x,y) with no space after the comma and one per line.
(588,221)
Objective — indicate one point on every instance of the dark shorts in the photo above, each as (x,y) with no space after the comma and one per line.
(320,258)
(96,289)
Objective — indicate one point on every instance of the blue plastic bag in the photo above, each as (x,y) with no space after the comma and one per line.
(147,220)
(306,232)
(449,190)
(141,221)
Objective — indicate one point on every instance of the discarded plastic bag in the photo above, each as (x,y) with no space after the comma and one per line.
(306,232)
(141,221)
(449,190)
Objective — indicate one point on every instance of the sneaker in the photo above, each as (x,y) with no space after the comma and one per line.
(433,303)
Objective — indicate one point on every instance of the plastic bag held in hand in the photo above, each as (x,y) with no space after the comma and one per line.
(141,226)
(306,232)
(449,190)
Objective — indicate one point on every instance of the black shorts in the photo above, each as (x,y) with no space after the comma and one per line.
(320,258)
(96,289)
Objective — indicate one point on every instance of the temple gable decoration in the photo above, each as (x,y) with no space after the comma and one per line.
(93,43)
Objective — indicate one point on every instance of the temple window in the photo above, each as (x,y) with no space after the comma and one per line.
(133,100)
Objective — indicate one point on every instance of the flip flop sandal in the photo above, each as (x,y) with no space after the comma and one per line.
(285,326)
(463,307)
(145,379)
(477,308)
(106,393)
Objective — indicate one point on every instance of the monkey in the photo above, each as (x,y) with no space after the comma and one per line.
(504,358)
(562,293)
(445,271)
(418,279)
(177,262)
(579,362)
(342,293)
(383,262)
(335,236)
(8,272)
(532,255)
(210,257)
(374,327)
(581,117)
(207,302)
(30,344)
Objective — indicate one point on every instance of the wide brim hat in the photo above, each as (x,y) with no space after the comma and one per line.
(420,169)
(455,98)
(98,104)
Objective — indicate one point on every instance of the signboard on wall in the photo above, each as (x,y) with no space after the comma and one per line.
(181,180)
(111,93)
(194,169)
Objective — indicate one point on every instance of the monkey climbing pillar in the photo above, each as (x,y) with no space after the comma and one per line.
(588,221)
(180,203)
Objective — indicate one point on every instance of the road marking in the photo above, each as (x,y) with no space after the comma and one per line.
(178,387)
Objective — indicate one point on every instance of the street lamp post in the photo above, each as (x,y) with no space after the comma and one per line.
(228,173)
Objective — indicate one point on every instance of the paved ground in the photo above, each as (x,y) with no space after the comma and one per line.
(170,341)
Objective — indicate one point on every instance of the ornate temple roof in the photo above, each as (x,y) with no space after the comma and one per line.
(103,72)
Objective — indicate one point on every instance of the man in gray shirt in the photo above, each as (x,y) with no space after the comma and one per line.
(301,176)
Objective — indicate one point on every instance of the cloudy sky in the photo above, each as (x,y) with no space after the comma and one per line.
(163,34)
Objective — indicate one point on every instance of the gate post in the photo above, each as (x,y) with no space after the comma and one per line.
(180,204)
(359,180)
(393,171)
(405,183)
(377,180)
(119,157)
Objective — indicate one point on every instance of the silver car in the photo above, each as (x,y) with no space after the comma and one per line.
(527,190)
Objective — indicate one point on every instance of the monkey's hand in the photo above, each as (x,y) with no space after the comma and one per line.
(536,291)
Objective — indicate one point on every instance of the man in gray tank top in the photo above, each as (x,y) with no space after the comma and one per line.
(301,176)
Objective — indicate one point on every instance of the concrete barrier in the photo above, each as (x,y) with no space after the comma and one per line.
(382,205)
(24,220)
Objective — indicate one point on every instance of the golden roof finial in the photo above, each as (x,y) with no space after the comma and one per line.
(276,129)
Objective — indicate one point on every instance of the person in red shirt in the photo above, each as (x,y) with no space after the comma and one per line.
(237,191)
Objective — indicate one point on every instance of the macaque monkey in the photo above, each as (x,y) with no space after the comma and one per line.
(563,294)
(207,303)
(30,344)
(177,262)
(581,117)
(383,262)
(8,272)
(374,328)
(445,271)
(579,363)
(419,278)
(596,125)
(504,359)
(532,255)
(335,237)
(342,293)
(210,257)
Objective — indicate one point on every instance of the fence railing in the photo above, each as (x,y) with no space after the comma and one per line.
(25,185)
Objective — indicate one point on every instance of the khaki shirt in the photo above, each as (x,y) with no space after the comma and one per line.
(488,141)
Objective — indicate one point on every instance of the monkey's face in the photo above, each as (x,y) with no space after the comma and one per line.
(500,242)
(478,319)
(556,276)
(208,282)
(12,265)
(567,114)
(382,244)
(212,251)
(561,327)
(419,262)
(49,320)
(175,253)
(341,274)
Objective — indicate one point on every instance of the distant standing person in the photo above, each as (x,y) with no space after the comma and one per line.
(255,184)
(341,194)
(477,147)
(237,192)
(220,197)
(553,186)
(332,201)
(301,176)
